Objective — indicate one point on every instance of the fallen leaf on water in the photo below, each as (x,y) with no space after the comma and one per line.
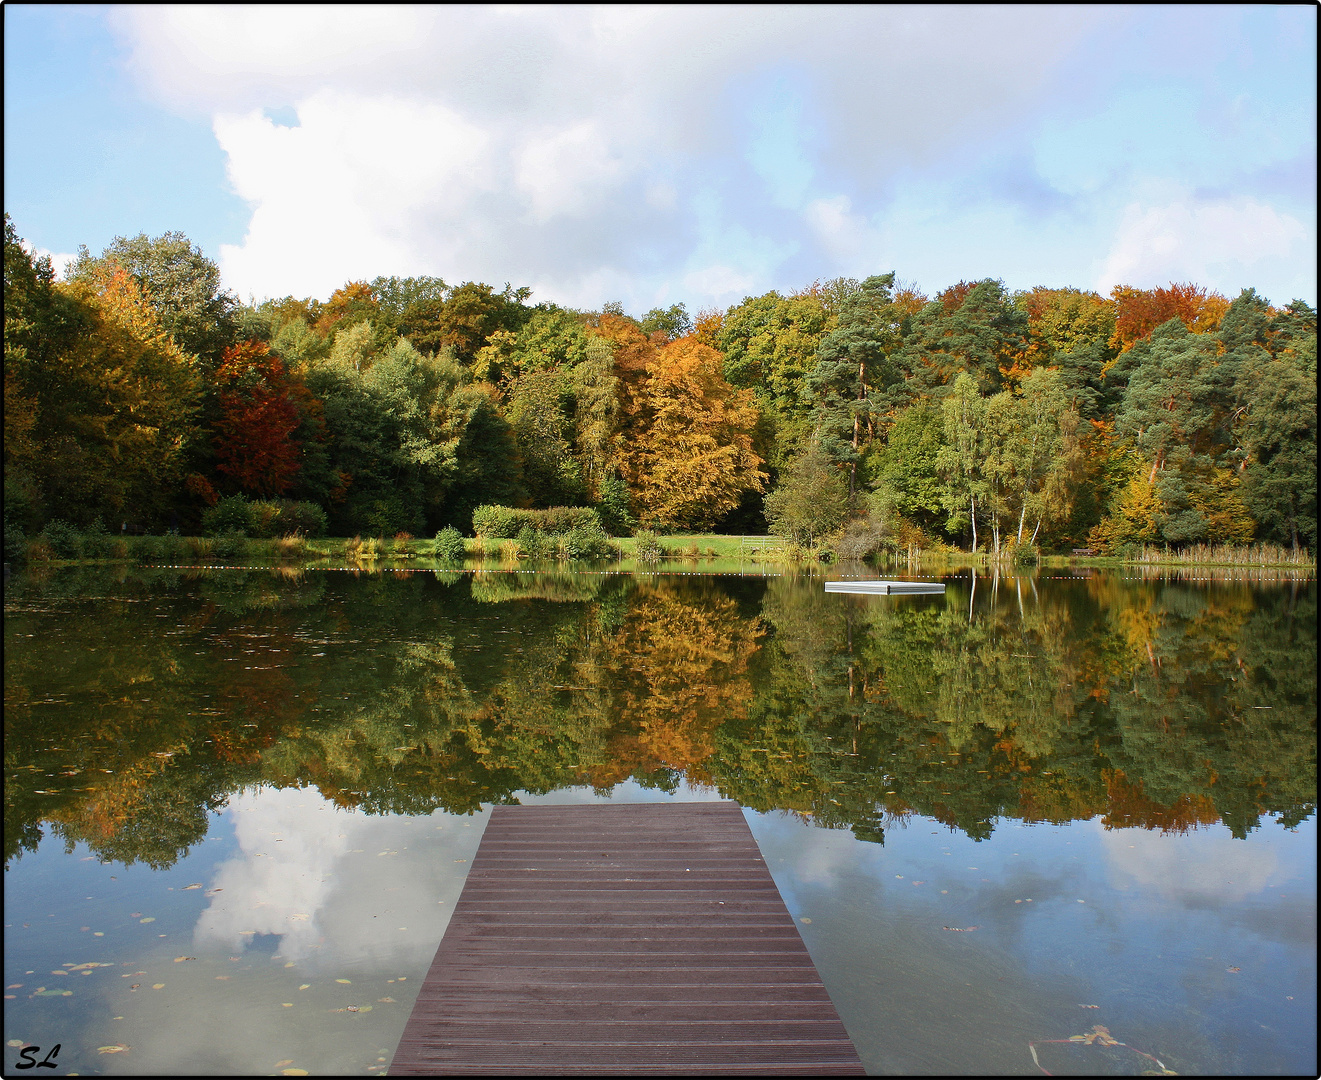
(304,986)
(959,929)
(282,1064)
(1233,969)
(16,1042)
(287,1004)
(181,959)
(346,982)
(14,986)
(135,914)
(97,933)
(158,986)
(222,977)
(149,918)
(290,964)
(54,993)
(118,1048)
(1089,1006)
(194,885)
(387,1000)
(135,986)
(293,1072)
(300,915)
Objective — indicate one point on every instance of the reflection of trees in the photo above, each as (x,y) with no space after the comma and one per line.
(129,717)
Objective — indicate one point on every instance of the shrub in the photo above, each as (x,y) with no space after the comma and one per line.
(613,507)
(306,518)
(587,541)
(862,538)
(495,522)
(403,543)
(149,549)
(230,514)
(648,547)
(230,545)
(264,519)
(449,543)
(95,541)
(62,539)
(534,544)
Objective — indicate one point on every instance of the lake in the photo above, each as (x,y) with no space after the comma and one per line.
(1062,821)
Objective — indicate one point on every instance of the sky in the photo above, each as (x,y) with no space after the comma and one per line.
(658,155)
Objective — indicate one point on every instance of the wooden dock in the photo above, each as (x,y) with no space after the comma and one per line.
(622,939)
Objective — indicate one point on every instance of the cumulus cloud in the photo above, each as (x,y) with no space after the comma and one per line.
(614,152)
(1197,240)
(314,876)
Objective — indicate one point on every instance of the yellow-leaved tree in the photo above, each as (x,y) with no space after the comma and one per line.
(688,454)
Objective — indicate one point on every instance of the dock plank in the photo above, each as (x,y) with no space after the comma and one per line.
(644,938)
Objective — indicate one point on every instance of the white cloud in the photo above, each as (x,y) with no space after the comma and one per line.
(1213,241)
(640,150)
(1204,868)
(313,875)
(59,261)
(360,187)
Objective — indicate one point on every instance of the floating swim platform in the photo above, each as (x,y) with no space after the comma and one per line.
(635,938)
(865,587)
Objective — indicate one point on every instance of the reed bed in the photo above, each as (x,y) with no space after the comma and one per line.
(1225,555)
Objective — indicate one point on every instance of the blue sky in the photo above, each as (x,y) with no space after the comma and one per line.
(656,155)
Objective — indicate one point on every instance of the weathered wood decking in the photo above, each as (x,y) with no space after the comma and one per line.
(622,938)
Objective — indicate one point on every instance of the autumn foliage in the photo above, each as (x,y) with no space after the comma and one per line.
(261,408)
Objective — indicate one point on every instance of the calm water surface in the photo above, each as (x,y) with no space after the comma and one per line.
(239,805)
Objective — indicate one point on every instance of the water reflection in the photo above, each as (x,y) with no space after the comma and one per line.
(137,704)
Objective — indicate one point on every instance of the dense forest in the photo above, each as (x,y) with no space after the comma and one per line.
(139,393)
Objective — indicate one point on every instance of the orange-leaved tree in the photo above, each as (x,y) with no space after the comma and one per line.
(1139,311)
(688,453)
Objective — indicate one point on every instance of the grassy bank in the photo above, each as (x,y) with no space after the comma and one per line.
(678,548)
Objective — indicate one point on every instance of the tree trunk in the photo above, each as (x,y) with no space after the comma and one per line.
(1034,532)
(973,517)
(1022,516)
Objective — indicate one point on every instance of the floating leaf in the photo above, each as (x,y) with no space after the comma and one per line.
(387,1000)
(287,1004)
(1233,969)
(290,964)
(117,1048)
(55,993)
(304,986)
(293,1072)
(158,986)
(194,885)
(181,959)
(300,915)
(149,918)
(346,982)
(222,977)
(16,1042)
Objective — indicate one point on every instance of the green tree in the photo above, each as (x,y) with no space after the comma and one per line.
(852,361)
(1279,438)
(961,458)
(812,499)
(975,329)
(179,283)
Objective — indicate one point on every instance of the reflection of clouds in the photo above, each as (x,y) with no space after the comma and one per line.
(1203,868)
(336,884)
